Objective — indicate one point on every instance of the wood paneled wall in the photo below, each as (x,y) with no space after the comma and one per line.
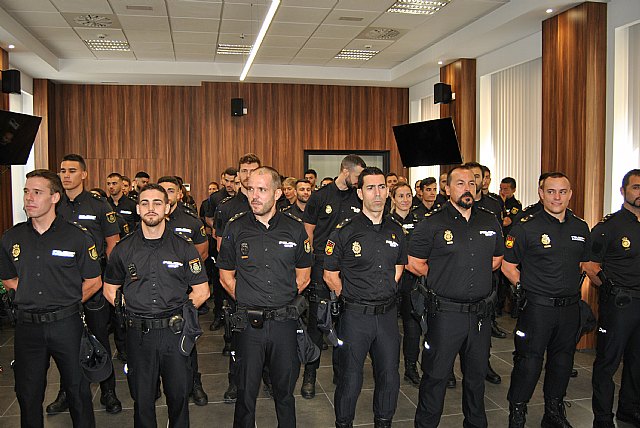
(44,147)
(574,53)
(189,131)
(461,75)
(6,202)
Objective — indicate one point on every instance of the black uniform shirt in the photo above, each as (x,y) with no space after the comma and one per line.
(154,273)
(441,199)
(512,207)
(214,199)
(265,259)
(366,256)
(490,204)
(408,223)
(415,202)
(326,208)
(228,208)
(127,209)
(550,253)
(616,245)
(94,213)
(421,211)
(187,224)
(50,267)
(294,210)
(459,252)
(531,209)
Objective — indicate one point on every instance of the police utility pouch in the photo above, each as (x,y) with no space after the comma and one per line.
(176,324)
(255,318)
(623,298)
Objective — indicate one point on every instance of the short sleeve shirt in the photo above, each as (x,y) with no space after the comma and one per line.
(154,274)
(185,223)
(127,209)
(228,208)
(366,256)
(265,259)
(459,252)
(50,267)
(616,246)
(94,213)
(549,253)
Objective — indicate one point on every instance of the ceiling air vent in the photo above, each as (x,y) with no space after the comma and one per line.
(93,21)
(374,33)
(350,18)
(137,7)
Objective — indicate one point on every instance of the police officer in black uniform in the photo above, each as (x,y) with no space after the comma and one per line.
(429,195)
(53,267)
(457,248)
(184,222)
(154,267)
(265,261)
(228,189)
(615,258)
(365,257)
(120,203)
(303,193)
(96,215)
(401,213)
(227,209)
(327,207)
(140,180)
(549,247)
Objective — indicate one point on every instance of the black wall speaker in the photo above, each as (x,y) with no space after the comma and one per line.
(441,93)
(237,107)
(11,81)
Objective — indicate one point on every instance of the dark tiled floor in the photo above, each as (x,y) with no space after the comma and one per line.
(316,413)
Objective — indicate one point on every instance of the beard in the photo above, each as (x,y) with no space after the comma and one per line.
(633,202)
(464,204)
(152,221)
(262,208)
(348,182)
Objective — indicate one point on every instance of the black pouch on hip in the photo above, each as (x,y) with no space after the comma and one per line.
(255,318)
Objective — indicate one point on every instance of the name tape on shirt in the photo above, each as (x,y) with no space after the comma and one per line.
(63,253)
(487,232)
(172,265)
(125,212)
(86,217)
(183,230)
(577,238)
(287,244)
(392,244)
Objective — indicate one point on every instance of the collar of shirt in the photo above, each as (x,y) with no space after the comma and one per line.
(551,219)
(79,199)
(453,211)
(56,222)
(273,221)
(629,216)
(151,242)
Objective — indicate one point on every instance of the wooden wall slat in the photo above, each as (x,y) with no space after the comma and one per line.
(189,131)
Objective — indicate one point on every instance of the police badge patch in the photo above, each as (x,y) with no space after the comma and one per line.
(510,241)
(328,209)
(195,266)
(356,248)
(626,244)
(202,231)
(111,217)
(244,250)
(448,236)
(93,253)
(15,252)
(328,249)
(307,246)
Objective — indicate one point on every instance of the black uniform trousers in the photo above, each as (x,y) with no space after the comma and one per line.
(152,354)
(539,329)
(320,291)
(450,334)
(273,345)
(34,346)
(361,335)
(618,337)
(410,326)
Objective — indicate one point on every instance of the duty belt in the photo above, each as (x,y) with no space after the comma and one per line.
(47,317)
(145,324)
(279,314)
(630,291)
(368,308)
(482,306)
(552,301)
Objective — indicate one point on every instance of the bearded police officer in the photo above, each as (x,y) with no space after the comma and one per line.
(95,214)
(264,262)
(456,248)
(120,203)
(53,267)
(153,267)
(543,257)
(365,257)
(614,267)
(327,207)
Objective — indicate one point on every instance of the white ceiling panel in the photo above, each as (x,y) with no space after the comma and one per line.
(83,6)
(239,27)
(114,55)
(149,23)
(235,39)
(274,51)
(245,11)
(188,48)
(308,61)
(198,38)
(155,56)
(40,19)
(151,47)
(334,17)
(310,3)
(138,36)
(371,5)
(260,59)
(376,45)
(28,5)
(158,7)
(100,33)
(71,54)
(317,53)
(309,15)
(400,20)
(284,41)
(326,43)
(194,57)
(290,29)
(194,9)
(338,31)
(53,33)
(201,25)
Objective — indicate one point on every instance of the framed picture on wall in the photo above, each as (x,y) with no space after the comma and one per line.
(327,162)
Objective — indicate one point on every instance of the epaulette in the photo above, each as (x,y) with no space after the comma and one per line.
(288,214)
(526,218)
(489,195)
(98,197)
(134,199)
(81,227)
(574,215)
(225,200)
(186,238)
(607,217)
(191,213)
(485,210)
(237,216)
(343,223)
(437,210)
(528,207)
(395,220)
(127,236)
(287,208)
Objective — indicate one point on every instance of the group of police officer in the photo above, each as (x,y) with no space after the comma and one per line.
(350,248)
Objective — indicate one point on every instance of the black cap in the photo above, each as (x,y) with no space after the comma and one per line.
(95,361)
(191,330)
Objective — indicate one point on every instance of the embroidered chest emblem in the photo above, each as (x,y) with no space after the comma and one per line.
(545,240)
(15,252)
(328,209)
(356,248)
(626,244)
(448,236)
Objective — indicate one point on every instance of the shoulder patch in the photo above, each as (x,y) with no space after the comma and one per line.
(291,216)
(237,216)
(575,216)
(485,210)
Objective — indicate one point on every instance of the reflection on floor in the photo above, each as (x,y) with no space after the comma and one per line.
(315,413)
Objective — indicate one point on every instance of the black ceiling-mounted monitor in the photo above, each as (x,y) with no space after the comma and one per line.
(432,142)
(17,133)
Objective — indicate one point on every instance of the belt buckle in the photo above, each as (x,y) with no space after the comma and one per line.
(560,301)
(473,308)
(43,318)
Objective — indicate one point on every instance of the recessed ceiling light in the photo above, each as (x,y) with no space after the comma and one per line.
(418,7)
(356,54)
(439,62)
(108,45)
(549,10)
(227,49)
(11,46)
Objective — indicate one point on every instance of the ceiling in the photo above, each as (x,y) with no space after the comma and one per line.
(174,41)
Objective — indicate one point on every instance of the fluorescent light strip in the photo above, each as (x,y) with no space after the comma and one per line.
(417,7)
(356,54)
(227,49)
(263,31)
(108,45)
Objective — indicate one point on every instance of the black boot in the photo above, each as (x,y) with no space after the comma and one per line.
(59,405)
(110,401)
(308,389)
(226,351)
(231,394)
(200,398)
(492,376)
(411,373)
(344,425)
(496,332)
(517,415)
(451,382)
(217,324)
(381,423)
(555,415)
(629,416)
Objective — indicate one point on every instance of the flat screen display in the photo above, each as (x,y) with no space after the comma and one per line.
(17,133)
(432,142)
